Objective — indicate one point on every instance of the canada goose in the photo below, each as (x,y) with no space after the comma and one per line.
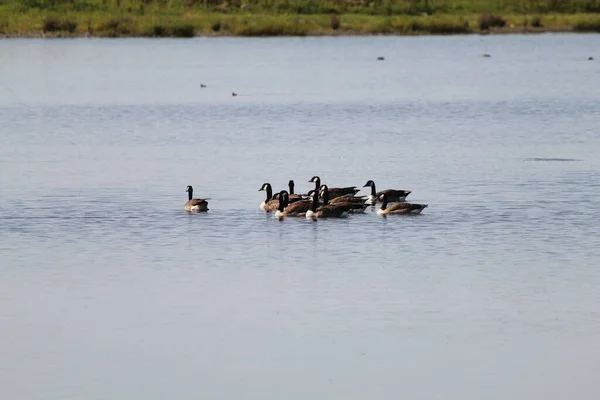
(335,192)
(282,201)
(298,208)
(325,211)
(202,85)
(355,204)
(233,93)
(195,204)
(393,195)
(292,196)
(399,208)
(380,58)
(270,204)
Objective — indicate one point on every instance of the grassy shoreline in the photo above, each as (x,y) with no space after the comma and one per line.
(51,24)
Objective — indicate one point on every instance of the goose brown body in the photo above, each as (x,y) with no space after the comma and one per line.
(298,208)
(399,208)
(195,204)
(354,204)
(325,211)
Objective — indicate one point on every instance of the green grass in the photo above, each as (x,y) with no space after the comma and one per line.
(187,18)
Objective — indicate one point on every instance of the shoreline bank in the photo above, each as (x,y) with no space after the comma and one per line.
(78,25)
(332,33)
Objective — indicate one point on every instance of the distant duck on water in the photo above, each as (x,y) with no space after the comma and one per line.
(195,204)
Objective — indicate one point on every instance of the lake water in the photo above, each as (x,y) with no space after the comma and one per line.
(109,290)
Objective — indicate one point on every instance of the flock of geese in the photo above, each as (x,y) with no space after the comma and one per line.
(324,201)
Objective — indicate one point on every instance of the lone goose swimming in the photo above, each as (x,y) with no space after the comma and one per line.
(335,192)
(393,195)
(270,204)
(399,208)
(195,204)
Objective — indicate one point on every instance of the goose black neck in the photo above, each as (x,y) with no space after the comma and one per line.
(190,191)
(317,184)
(291,186)
(269,192)
(287,199)
(315,201)
(325,195)
(373,192)
(384,202)
(281,203)
(284,197)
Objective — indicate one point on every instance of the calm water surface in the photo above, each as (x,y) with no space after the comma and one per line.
(109,290)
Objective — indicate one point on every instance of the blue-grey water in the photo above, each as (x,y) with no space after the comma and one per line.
(109,290)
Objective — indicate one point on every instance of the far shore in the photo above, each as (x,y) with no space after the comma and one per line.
(320,33)
(78,25)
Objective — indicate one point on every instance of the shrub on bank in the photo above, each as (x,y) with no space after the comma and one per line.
(177,30)
(448,27)
(182,30)
(334,22)
(419,25)
(536,22)
(116,27)
(592,25)
(267,27)
(158,31)
(53,24)
(487,21)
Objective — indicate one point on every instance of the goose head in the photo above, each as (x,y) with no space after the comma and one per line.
(324,192)
(284,199)
(317,181)
(265,186)
(291,185)
(372,185)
